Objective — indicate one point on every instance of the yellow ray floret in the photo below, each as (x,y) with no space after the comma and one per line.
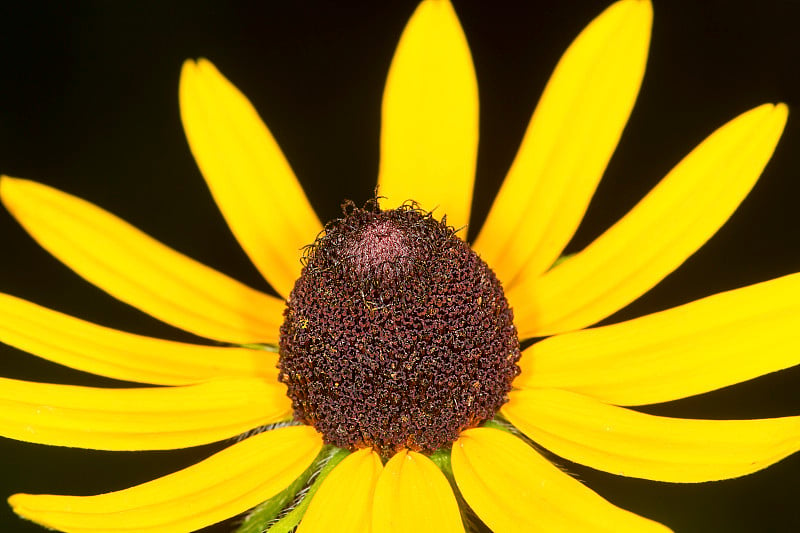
(107,352)
(570,139)
(629,443)
(224,485)
(343,502)
(698,347)
(250,179)
(139,270)
(412,494)
(512,488)
(138,419)
(429,128)
(675,219)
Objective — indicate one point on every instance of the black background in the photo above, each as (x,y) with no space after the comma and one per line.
(88,103)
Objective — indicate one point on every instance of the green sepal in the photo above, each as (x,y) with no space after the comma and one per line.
(498,423)
(260,517)
(290,520)
(561,259)
(441,458)
(264,347)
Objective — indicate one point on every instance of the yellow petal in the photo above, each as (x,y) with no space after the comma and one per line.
(412,494)
(658,234)
(139,270)
(222,486)
(249,177)
(574,130)
(629,443)
(138,419)
(512,488)
(429,130)
(107,352)
(344,500)
(705,345)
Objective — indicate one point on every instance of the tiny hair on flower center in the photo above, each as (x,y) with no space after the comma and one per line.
(396,335)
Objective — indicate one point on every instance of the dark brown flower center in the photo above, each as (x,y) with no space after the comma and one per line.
(396,334)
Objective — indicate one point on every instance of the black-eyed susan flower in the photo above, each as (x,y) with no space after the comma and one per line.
(388,392)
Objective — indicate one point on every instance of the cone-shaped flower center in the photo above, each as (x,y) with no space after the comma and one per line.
(396,334)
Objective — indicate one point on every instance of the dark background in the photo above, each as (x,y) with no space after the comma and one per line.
(89,104)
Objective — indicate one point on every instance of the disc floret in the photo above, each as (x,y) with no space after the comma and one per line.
(397,335)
